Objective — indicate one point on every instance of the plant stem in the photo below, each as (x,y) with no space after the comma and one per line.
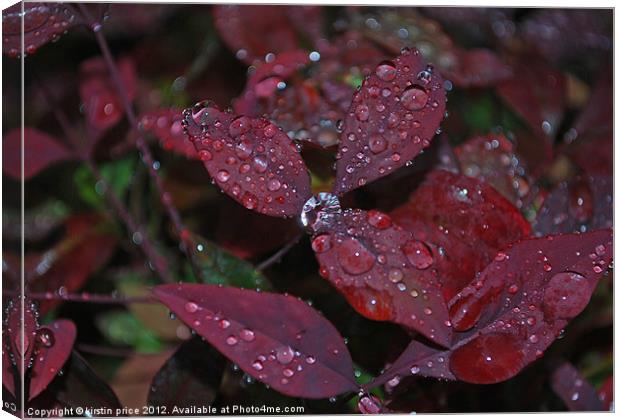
(141,144)
(154,258)
(279,254)
(86,298)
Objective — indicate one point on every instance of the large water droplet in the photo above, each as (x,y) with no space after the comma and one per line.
(354,257)
(45,337)
(418,254)
(414,98)
(386,71)
(566,295)
(319,210)
(285,355)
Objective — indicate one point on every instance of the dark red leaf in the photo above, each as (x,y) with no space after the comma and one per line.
(86,247)
(560,34)
(577,393)
(492,159)
(464,218)
(416,359)
(40,152)
(43,22)
(582,204)
(102,104)
(606,393)
(391,120)
(189,378)
(522,300)
(386,273)
(253,31)
(278,339)
(53,348)
(166,125)
(20,336)
(512,311)
(251,159)
(537,93)
(476,68)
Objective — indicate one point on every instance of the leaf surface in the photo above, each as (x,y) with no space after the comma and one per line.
(392,118)
(577,393)
(277,339)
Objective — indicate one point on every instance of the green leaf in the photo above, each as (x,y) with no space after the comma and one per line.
(117,174)
(123,328)
(218,266)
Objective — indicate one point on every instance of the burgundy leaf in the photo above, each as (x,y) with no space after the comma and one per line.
(537,94)
(54,346)
(102,104)
(577,393)
(251,160)
(253,31)
(416,359)
(561,34)
(606,393)
(386,273)
(8,369)
(584,203)
(189,378)
(463,218)
(166,125)
(391,120)
(492,159)
(476,68)
(43,22)
(521,302)
(278,339)
(86,247)
(40,152)
(20,336)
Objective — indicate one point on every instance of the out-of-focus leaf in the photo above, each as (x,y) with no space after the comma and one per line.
(123,328)
(118,175)
(189,378)
(218,266)
(165,125)
(577,393)
(40,152)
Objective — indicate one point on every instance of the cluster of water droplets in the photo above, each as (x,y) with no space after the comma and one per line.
(42,23)
(250,159)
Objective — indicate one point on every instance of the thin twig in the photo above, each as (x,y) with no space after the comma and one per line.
(141,144)
(86,298)
(158,262)
(279,254)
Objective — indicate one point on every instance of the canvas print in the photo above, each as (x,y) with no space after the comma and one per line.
(222,209)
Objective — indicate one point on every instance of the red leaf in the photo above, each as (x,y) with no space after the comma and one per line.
(54,346)
(477,68)
(416,359)
(585,203)
(40,152)
(538,95)
(606,393)
(278,339)
(464,218)
(65,268)
(577,393)
(492,159)
(385,272)
(43,22)
(392,118)
(21,353)
(102,104)
(522,300)
(166,125)
(514,309)
(253,31)
(251,159)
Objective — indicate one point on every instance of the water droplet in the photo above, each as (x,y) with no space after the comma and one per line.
(386,71)
(414,98)
(362,113)
(379,220)
(321,243)
(285,355)
(45,337)
(223,175)
(288,372)
(191,307)
(257,365)
(231,340)
(247,335)
(418,254)
(354,257)
(377,144)
(566,295)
